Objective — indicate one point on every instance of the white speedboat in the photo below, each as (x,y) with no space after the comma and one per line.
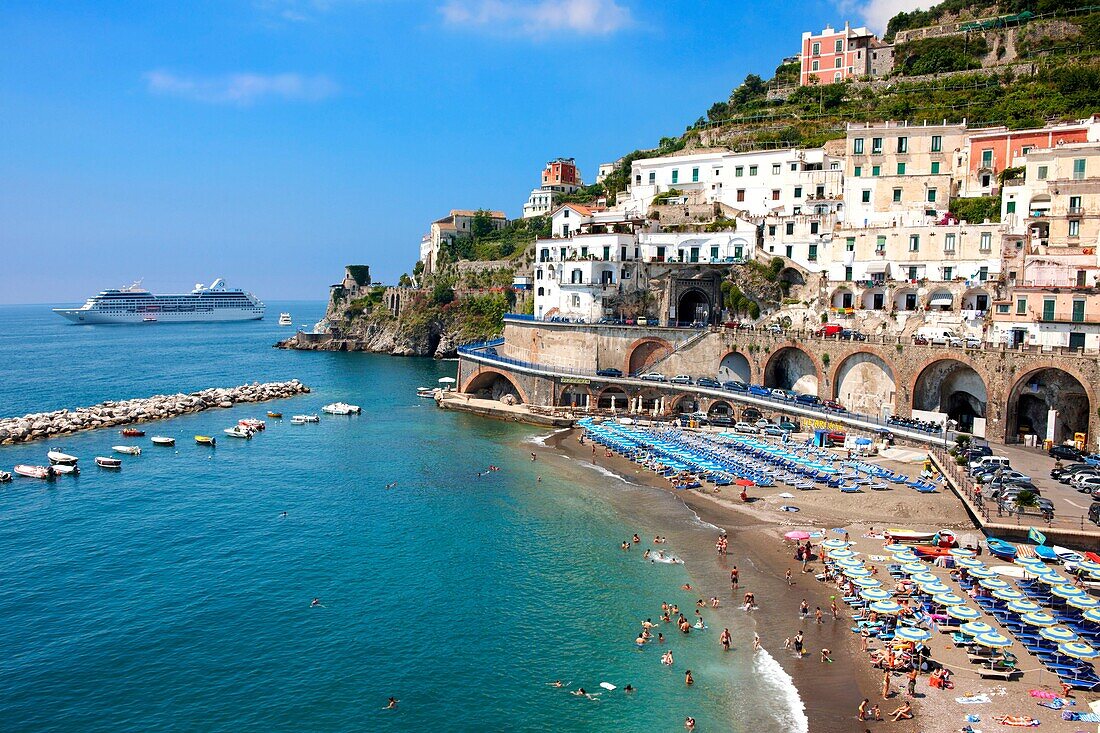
(342,408)
(238,431)
(303,419)
(42,472)
(57,458)
(253,424)
(426,392)
(65,469)
(4,477)
(130,450)
(163,440)
(106,462)
(285,320)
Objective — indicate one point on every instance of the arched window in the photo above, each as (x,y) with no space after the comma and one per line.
(542,292)
(538,274)
(576,276)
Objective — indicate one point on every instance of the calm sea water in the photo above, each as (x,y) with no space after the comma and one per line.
(173,596)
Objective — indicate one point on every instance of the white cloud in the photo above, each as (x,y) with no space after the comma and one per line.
(875,14)
(534,17)
(242,89)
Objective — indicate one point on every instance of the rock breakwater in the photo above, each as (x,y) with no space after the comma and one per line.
(111,414)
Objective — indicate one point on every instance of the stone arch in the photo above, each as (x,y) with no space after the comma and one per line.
(735,366)
(951,385)
(791,276)
(791,367)
(496,383)
(574,395)
(693,306)
(644,352)
(842,297)
(613,397)
(864,382)
(685,403)
(650,400)
(720,408)
(1049,388)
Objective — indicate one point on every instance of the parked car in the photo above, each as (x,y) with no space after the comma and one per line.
(751,414)
(774,328)
(773,431)
(1046,506)
(978,451)
(848,334)
(788,395)
(1093,459)
(732,324)
(708,383)
(744,427)
(735,386)
(987,464)
(789,426)
(1066,453)
(610,372)
(808,399)
(721,421)
(764,422)
(1087,484)
(681,379)
(834,406)
(972,343)
(1004,475)
(829,329)
(654,377)
(1066,474)
(756,389)
(1094,512)
(1015,487)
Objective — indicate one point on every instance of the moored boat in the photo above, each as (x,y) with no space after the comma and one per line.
(66,469)
(1045,553)
(303,419)
(132,433)
(908,536)
(4,477)
(238,431)
(163,440)
(42,472)
(130,450)
(275,415)
(206,440)
(426,392)
(342,408)
(285,319)
(253,424)
(106,462)
(1000,548)
(56,458)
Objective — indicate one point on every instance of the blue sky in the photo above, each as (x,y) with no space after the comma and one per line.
(272,141)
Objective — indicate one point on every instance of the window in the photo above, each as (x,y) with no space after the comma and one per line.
(819,192)
(983,275)
(935,168)
(858,171)
(880,243)
(776,168)
(739,171)
(875,170)
(897,196)
(857,146)
(839,45)
(1075,204)
(836,77)
(576,301)
(544,255)
(1002,308)
(865,196)
(903,145)
(815,49)
(839,62)
(812,256)
(914,273)
(565,213)
(1048,309)
(584,253)
(538,274)
(914,242)
(794,167)
(771,230)
(1041,173)
(850,244)
(814,227)
(848,274)
(876,146)
(753,170)
(740,194)
(652,177)
(790,228)
(1021,306)
(949,243)
(1081,278)
(948,273)
(606,254)
(985,241)
(541,292)
(694,175)
(1010,207)
(1079,169)
(775,194)
(713,254)
(987,158)
(675,175)
(1078,311)
(1074,228)
(576,277)
(937,143)
(798,192)
(901,169)
(931,195)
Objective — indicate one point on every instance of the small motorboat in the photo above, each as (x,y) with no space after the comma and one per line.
(238,431)
(342,408)
(4,477)
(285,319)
(303,419)
(275,415)
(1046,554)
(206,440)
(1000,548)
(163,440)
(106,462)
(908,536)
(57,458)
(66,469)
(253,424)
(1067,556)
(130,450)
(132,433)
(425,392)
(43,472)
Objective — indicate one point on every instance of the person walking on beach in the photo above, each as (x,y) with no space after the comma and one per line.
(912,682)
(886,684)
(804,609)
(818,616)
(861,712)
(834,608)
(789,577)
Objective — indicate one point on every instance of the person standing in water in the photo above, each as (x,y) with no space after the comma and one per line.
(726,639)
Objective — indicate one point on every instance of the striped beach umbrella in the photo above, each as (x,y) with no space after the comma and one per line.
(1092,615)
(992,583)
(1038,618)
(963,613)
(887,608)
(913,567)
(1023,606)
(1008,595)
(969,562)
(960,552)
(896,547)
(1083,603)
(973,628)
(835,544)
(860,572)
(849,562)
(981,572)
(1078,650)
(923,577)
(948,599)
(1029,561)
(866,582)
(906,556)
(1067,591)
(841,554)
(875,594)
(934,588)
(911,633)
(993,640)
(1058,634)
(1052,578)
(1090,566)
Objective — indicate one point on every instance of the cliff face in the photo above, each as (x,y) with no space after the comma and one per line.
(380,333)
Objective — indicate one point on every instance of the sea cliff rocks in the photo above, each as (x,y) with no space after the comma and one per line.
(158,407)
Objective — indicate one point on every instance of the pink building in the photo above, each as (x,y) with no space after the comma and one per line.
(836,55)
(993,151)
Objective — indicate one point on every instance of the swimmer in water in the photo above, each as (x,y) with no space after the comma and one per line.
(316,603)
(637,539)
(282,516)
(645,555)
(756,642)
(666,658)
(557,683)
(391,704)
(628,688)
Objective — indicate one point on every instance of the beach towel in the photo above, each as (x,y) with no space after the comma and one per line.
(973,719)
(1082,717)
(1018,721)
(1055,704)
(1042,694)
(973,699)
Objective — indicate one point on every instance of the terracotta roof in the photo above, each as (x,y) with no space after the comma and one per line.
(471,212)
(580,209)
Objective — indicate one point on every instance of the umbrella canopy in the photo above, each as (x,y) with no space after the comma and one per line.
(1037,618)
(948,599)
(910,633)
(1023,606)
(934,588)
(993,640)
(960,552)
(992,583)
(969,563)
(747,482)
(1090,566)
(888,608)
(841,554)
(849,562)
(1078,650)
(1083,602)
(973,628)
(835,544)
(1058,634)
(981,572)
(905,557)
(897,548)
(860,572)
(1052,578)
(1008,595)
(1032,562)
(875,594)
(447,380)
(866,582)
(1067,591)
(863,441)
(1092,615)
(913,567)
(963,613)
(923,577)
(797,535)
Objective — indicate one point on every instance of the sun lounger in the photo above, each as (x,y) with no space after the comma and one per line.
(1000,674)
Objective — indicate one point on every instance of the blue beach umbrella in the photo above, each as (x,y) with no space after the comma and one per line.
(835,544)
(1078,650)
(934,588)
(905,556)
(1052,578)
(993,583)
(963,613)
(913,567)
(923,577)
(866,582)
(888,608)
(1092,615)
(849,562)
(969,563)
(897,548)
(1090,566)
(948,599)
(1008,595)
(1030,563)
(974,628)
(910,633)
(859,572)
(841,554)
(1023,606)
(1037,618)
(981,572)
(1067,591)
(960,552)
(1083,603)
(1058,634)
(875,594)
(993,640)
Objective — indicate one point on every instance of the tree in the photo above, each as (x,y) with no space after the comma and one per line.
(442,293)
(482,224)
(405,281)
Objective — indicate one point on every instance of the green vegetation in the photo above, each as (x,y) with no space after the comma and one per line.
(487,243)
(978,209)
(482,316)
(360,274)
(737,302)
(941,13)
(940,55)
(663,198)
(584,195)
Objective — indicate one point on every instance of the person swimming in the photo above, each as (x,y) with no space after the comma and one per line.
(391,704)
(316,603)
(283,515)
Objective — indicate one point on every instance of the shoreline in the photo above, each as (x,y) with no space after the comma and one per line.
(829,693)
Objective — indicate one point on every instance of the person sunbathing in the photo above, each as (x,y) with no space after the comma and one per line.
(903,712)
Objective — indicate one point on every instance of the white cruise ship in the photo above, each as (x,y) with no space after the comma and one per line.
(137,305)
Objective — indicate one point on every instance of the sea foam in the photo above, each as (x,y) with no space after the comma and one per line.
(773,676)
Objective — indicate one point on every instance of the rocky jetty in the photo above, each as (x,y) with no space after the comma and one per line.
(158,407)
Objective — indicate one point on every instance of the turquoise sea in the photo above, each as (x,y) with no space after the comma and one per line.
(173,596)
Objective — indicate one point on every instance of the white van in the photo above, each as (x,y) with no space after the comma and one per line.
(937,335)
(986,464)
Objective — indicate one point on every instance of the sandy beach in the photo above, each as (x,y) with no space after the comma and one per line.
(831,691)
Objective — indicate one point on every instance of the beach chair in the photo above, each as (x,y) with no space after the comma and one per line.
(850,489)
